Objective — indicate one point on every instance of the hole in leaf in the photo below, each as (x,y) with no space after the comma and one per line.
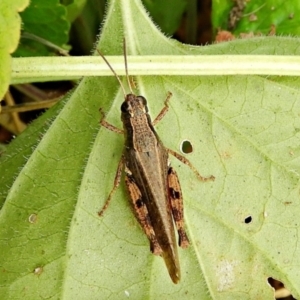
(186,147)
(280,291)
(248,220)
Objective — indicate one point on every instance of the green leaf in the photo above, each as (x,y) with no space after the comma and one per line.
(166,14)
(74,8)
(244,130)
(259,16)
(45,20)
(220,13)
(10,24)
(85,28)
(262,15)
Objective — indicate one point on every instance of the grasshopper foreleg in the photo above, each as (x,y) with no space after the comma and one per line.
(116,184)
(164,110)
(107,125)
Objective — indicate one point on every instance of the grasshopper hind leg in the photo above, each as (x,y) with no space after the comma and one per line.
(141,212)
(176,203)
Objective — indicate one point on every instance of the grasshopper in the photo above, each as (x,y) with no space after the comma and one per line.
(152,184)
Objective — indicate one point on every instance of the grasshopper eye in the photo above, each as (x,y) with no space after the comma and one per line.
(144,103)
(125,107)
(143,100)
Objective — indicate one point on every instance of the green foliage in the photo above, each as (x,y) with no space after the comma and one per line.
(45,20)
(74,8)
(10,24)
(166,13)
(259,16)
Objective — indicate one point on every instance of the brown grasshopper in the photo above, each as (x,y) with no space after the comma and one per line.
(152,184)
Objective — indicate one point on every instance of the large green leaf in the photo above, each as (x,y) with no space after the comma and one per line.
(244,131)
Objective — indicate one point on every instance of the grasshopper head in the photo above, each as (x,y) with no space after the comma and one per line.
(134,106)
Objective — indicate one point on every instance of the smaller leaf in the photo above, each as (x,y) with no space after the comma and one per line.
(46,20)
(10,24)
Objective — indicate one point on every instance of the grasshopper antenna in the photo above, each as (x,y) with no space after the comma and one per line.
(118,78)
(126,67)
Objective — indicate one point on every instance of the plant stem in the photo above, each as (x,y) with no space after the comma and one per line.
(39,69)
